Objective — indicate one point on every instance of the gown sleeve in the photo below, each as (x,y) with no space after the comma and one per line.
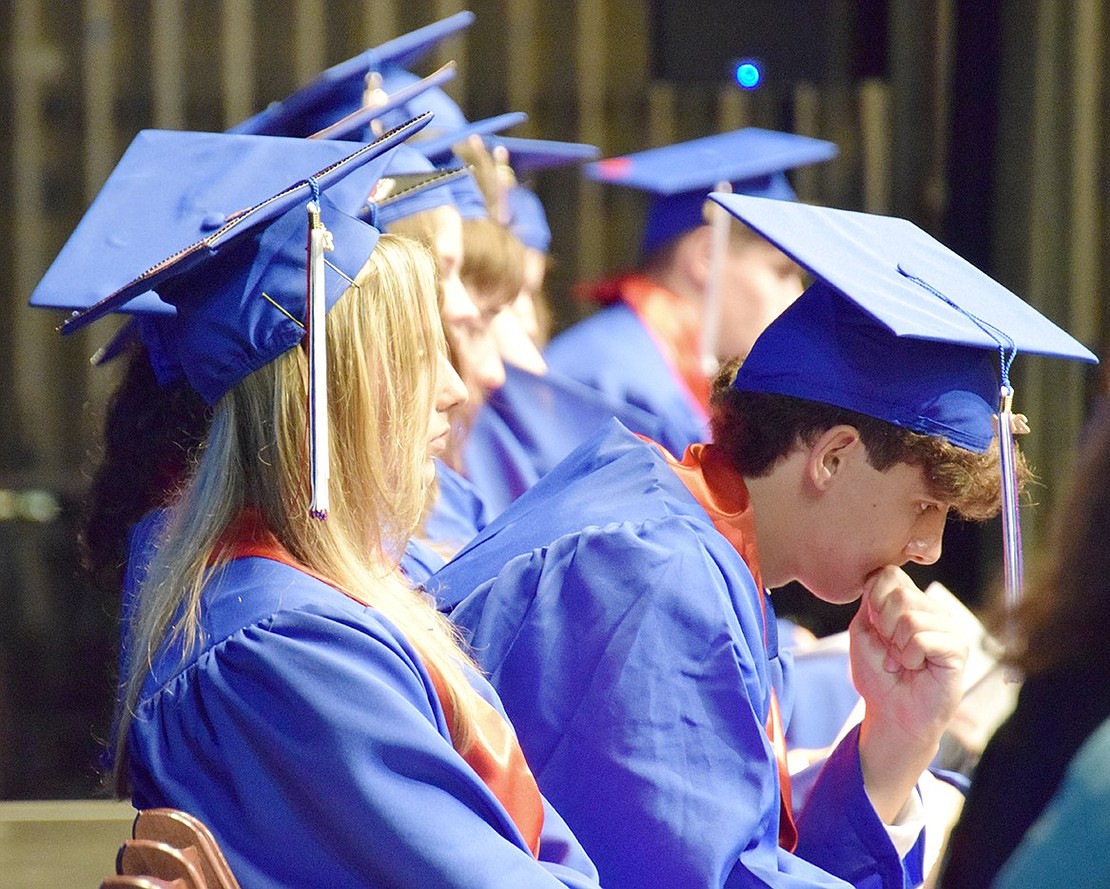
(314,745)
(631,660)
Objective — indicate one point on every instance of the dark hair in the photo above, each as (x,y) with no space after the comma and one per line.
(1061,622)
(757,429)
(150,437)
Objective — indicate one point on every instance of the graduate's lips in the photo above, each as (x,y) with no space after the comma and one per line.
(438,443)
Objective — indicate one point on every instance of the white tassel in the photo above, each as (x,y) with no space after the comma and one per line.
(711,316)
(503,180)
(1013,571)
(319,240)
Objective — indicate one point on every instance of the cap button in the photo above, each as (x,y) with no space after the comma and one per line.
(212,221)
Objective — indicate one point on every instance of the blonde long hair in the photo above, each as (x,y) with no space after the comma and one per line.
(382,340)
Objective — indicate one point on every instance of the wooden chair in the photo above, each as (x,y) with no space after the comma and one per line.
(118,881)
(149,859)
(191,836)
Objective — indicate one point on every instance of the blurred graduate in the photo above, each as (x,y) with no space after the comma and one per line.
(702,291)
(537,416)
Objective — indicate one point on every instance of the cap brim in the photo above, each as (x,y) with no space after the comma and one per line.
(528,156)
(700,164)
(902,277)
(262,210)
(354,124)
(438,148)
(347,76)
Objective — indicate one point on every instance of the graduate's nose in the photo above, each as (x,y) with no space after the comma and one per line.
(450,389)
(924,545)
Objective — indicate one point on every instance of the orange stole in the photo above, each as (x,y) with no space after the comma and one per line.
(728,505)
(494,752)
(675,326)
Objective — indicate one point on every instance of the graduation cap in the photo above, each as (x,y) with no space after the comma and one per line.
(243,285)
(527,219)
(111,241)
(467,195)
(171,186)
(359,125)
(410,184)
(528,156)
(340,90)
(679,177)
(519,207)
(898,327)
(450,126)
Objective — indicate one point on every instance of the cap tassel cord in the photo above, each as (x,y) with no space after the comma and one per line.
(719,226)
(319,240)
(1013,573)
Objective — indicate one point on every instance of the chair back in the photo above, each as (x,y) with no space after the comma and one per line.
(186,832)
(149,858)
(119,881)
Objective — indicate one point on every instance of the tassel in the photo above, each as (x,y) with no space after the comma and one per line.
(319,240)
(711,316)
(1013,575)
(375,96)
(504,180)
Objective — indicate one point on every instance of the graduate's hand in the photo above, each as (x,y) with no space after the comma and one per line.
(908,657)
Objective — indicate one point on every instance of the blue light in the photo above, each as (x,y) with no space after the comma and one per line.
(748,74)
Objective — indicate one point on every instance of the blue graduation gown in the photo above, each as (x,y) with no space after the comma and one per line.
(530,423)
(419,561)
(626,638)
(613,352)
(459,512)
(305,731)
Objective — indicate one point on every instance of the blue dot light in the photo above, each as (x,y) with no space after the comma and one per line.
(748,75)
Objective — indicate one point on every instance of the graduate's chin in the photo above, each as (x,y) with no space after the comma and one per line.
(836,595)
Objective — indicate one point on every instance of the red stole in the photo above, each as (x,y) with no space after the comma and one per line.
(724,496)
(494,752)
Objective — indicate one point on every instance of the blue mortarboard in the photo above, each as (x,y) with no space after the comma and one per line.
(527,156)
(339,90)
(467,195)
(213,221)
(358,125)
(93,265)
(527,219)
(895,326)
(172,186)
(449,126)
(523,212)
(680,177)
(410,184)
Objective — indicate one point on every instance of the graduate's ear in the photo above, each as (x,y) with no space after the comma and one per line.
(693,255)
(827,455)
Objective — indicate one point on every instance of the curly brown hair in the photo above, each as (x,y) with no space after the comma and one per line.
(757,429)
